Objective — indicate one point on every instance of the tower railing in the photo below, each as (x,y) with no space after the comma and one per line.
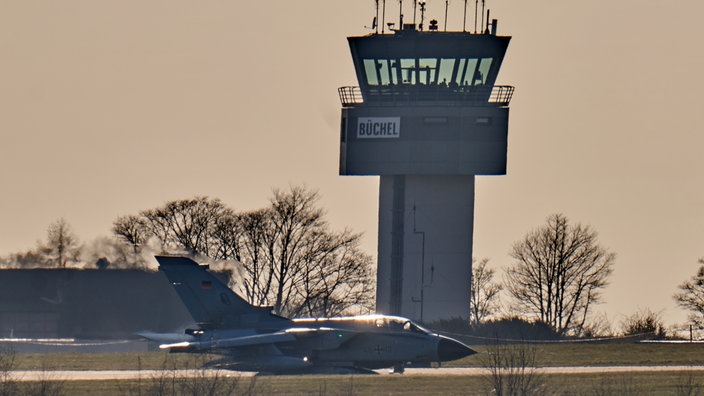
(350,96)
(499,95)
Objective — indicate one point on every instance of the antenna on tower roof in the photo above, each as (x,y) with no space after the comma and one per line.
(422,14)
(375,21)
(400,14)
(464,19)
(383,15)
(447,3)
(415,3)
(483,5)
(376,17)
(476,12)
(486,31)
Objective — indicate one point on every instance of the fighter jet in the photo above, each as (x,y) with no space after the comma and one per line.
(251,338)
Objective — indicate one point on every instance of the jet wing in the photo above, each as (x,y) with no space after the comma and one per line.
(165,337)
(250,340)
(316,338)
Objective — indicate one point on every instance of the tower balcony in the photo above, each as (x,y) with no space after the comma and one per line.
(440,94)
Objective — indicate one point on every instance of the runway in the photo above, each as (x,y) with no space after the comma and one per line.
(106,375)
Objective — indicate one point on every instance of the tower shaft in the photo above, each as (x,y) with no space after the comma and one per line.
(425,245)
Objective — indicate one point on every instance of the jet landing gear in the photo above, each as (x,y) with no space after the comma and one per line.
(398,369)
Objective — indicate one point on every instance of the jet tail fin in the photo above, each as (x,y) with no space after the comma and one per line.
(210,302)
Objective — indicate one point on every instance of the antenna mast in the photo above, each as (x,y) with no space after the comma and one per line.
(383,16)
(422,15)
(376,18)
(483,4)
(415,3)
(487,22)
(447,3)
(464,20)
(400,13)
(476,12)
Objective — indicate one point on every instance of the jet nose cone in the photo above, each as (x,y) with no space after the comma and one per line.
(449,349)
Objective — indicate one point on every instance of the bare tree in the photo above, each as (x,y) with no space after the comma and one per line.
(61,244)
(512,370)
(292,260)
(8,364)
(484,293)
(133,230)
(295,220)
(334,275)
(691,296)
(226,237)
(186,224)
(307,268)
(246,238)
(644,323)
(558,273)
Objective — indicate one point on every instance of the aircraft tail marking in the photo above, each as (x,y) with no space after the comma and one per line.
(210,302)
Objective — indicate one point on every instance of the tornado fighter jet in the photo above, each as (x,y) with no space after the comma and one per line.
(251,338)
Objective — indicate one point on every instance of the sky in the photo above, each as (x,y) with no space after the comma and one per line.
(108,108)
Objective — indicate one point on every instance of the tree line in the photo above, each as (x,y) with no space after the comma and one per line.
(290,257)
(557,275)
(291,260)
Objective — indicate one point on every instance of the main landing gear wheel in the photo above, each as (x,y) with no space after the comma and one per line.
(398,369)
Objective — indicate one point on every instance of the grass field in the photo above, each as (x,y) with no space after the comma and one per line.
(563,354)
(608,354)
(576,384)
(568,354)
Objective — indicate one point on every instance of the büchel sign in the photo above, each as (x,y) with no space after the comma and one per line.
(378,127)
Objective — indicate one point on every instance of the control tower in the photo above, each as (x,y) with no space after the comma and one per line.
(427,118)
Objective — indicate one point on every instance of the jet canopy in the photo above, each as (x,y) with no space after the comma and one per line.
(380,322)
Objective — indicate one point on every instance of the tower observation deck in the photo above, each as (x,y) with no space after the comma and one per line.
(426,117)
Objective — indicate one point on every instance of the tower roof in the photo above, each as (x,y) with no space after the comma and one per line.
(436,66)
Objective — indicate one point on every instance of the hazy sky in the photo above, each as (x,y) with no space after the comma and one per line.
(110,107)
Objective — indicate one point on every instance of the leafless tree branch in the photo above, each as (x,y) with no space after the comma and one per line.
(558,273)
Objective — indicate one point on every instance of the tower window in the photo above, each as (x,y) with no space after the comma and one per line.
(446,72)
(446,68)
(371,71)
(427,72)
(408,71)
